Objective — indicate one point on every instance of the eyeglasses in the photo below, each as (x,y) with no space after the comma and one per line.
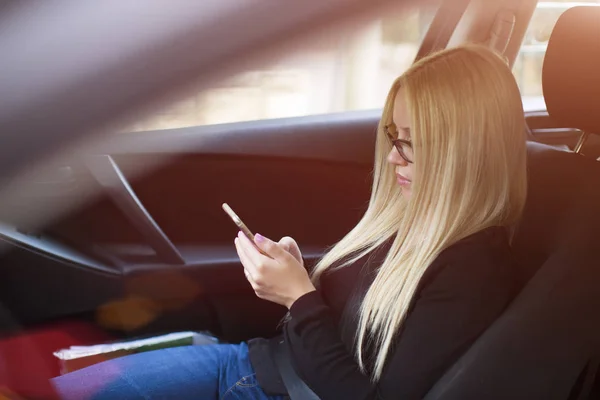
(403,146)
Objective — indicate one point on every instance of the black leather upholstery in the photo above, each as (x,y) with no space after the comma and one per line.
(542,343)
(546,345)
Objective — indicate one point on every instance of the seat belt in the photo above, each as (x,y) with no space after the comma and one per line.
(296,388)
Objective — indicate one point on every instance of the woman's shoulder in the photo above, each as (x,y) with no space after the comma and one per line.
(488,241)
(479,260)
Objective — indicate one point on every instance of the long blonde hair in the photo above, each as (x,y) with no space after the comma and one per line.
(468,134)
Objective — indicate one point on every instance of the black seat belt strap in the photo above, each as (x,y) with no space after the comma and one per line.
(296,388)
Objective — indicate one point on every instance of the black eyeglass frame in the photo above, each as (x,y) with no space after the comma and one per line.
(399,144)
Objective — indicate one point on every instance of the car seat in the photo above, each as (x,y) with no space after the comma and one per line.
(546,345)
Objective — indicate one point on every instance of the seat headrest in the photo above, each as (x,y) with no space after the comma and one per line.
(571,71)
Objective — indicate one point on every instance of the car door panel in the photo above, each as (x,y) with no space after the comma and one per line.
(272,196)
(308,178)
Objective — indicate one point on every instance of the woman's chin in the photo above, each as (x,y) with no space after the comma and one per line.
(406,192)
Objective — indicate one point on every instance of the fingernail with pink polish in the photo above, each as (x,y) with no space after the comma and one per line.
(259,238)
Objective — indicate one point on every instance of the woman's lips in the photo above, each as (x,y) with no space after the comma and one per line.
(402,180)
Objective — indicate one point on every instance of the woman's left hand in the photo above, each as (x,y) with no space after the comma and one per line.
(281,279)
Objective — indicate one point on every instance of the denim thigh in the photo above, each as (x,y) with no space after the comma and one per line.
(219,371)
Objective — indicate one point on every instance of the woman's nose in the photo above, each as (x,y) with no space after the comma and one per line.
(395,158)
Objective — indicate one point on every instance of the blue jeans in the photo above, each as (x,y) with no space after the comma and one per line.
(218,371)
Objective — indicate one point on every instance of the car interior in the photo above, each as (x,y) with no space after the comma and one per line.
(141,246)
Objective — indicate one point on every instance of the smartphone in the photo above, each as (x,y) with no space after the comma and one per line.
(240,224)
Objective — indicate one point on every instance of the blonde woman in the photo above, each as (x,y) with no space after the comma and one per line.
(410,288)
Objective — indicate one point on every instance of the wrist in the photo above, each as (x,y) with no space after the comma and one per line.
(307,289)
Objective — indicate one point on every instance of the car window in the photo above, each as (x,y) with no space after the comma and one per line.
(528,65)
(339,74)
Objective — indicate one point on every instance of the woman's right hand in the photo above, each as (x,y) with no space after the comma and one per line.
(290,245)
